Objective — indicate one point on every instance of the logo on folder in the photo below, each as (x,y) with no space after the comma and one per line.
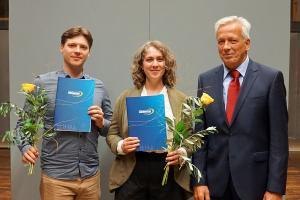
(148,111)
(75,93)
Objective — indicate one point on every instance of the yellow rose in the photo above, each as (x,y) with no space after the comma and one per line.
(206,99)
(27,87)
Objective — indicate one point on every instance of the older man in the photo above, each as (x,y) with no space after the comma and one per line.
(248,158)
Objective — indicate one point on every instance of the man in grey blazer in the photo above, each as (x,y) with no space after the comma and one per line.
(248,158)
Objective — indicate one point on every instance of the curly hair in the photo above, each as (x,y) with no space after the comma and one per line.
(137,72)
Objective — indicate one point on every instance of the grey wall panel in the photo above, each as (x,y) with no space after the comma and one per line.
(188,28)
(118,28)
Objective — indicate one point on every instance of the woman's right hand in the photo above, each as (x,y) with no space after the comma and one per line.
(30,156)
(130,144)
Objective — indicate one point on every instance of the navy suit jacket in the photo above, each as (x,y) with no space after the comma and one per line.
(253,149)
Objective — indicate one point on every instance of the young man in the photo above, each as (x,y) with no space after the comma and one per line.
(248,158)
(69,161)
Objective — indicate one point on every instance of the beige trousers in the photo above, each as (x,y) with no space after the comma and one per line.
(79,189)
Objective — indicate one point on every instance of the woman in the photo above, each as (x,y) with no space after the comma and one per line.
(138,175)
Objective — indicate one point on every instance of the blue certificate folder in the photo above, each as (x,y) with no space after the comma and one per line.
(146,120)
(73,98)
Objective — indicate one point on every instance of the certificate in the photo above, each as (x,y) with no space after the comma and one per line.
(147,121)
(73,98)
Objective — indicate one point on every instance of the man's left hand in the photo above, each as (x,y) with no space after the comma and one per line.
(96,115)
(272,196)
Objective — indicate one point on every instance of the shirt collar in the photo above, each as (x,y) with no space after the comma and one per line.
(242,68)
(62,73)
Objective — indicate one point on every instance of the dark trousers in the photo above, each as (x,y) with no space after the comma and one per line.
(145,181)
(230,193)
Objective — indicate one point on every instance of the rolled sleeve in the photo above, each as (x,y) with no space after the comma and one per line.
(103,131)
(24,148)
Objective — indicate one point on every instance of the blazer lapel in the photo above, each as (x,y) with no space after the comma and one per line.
(247,84)
(175,105)
(219,92)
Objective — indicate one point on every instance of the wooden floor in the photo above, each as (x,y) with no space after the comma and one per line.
(293,181)
(5,174)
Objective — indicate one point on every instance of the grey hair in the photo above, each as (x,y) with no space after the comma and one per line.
(246,26)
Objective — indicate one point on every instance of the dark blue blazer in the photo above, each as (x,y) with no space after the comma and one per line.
(253,149)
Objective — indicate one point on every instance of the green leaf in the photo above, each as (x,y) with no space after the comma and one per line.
(177,138)
(169,121)
(197,120)
(165,177)
(196,101)
(8,137)
(198,112)
(189,142)
(180,126)
(186,112)
(186,106)
(183,135)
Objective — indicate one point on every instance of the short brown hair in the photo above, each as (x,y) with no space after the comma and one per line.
(137,73)
(77,31)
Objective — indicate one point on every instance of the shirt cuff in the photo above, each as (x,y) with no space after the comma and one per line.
(119,148)
(103,131)
(25,149)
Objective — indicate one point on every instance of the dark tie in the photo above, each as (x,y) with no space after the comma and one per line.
(233,93)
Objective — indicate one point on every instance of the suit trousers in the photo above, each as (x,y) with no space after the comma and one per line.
(230,192)
(145,181)
(79,189)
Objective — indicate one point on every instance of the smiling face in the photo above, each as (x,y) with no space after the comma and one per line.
(232,46)
(75,51)
(153,65)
